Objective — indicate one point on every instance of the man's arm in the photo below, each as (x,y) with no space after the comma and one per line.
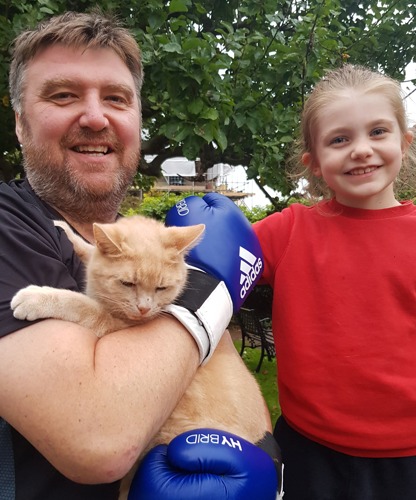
(91,405)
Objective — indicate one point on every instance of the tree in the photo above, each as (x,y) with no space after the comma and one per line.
(226,81)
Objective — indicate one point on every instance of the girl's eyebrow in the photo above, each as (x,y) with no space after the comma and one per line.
(379,122)
(382,121)
(333,132)
(337,130)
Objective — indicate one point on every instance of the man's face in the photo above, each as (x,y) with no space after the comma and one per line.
(80,129)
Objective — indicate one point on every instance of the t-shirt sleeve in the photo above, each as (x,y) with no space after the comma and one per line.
(273,233)
(32,251)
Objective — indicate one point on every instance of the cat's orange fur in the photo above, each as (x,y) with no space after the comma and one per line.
(136,268)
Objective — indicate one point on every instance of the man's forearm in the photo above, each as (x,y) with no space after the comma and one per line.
(91,405)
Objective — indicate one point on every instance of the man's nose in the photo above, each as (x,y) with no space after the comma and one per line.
(93,115)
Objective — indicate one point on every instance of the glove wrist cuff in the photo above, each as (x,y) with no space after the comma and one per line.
(205,309)
(194,327)
(269,444)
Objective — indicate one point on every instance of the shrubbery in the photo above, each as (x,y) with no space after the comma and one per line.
(157,205)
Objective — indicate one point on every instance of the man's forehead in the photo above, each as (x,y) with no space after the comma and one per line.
(60,63)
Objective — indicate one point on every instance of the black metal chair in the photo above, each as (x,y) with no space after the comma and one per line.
(256,332)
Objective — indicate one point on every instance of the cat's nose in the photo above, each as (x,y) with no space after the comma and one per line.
(144,310)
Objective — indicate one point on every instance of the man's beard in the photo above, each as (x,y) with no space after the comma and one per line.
(58,186)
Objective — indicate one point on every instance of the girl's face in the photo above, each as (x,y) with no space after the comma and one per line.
(358,149)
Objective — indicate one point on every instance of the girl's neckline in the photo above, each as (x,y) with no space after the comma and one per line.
(333,207)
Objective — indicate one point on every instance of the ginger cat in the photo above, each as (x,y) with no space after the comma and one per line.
(136,268)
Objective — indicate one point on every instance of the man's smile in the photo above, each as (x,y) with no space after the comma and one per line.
(94,150)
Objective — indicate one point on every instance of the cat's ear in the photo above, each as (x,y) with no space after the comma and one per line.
(185,238)
(105,241)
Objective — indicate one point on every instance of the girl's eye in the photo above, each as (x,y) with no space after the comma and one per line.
(378,131)
(338,140)
(128,284)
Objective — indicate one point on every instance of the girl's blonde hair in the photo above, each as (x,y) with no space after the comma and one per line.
(325,91)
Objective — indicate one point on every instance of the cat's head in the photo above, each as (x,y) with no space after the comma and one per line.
(138,265)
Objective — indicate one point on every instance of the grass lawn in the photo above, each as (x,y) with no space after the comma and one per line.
(266,377)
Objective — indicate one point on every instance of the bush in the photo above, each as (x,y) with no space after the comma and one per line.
(157,205)
(154,206)
(256,213)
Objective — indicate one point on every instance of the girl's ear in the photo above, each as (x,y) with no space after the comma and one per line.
(408,139)
(308,163)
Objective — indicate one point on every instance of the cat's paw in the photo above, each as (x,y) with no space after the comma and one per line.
(64,225)
(31,303)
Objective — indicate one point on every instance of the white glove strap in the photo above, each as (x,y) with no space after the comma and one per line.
(208,323)
(194,327)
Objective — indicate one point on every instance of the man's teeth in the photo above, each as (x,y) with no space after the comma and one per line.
(361,171)
(98,150)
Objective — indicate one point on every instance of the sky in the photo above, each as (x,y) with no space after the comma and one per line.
(237,178)
(408,87)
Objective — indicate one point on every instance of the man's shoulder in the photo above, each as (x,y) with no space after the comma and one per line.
(17,200)
(16,193)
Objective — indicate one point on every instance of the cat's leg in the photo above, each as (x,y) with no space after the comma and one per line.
(35,302)
(126,483)
(82,248)
(223,395)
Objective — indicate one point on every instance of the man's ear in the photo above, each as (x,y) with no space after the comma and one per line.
(18,128)
(309,163)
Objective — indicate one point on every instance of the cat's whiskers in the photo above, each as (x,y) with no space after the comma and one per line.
(116,303)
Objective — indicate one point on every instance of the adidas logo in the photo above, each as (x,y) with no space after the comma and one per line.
(250,267)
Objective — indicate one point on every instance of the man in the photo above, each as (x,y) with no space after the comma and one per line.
(79,409)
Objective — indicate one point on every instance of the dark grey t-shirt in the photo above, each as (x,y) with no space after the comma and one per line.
(33,251)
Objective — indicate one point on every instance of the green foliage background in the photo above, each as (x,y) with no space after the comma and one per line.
(225,81)
(157,205)
(266,378)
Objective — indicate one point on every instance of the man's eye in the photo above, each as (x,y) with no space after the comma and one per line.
(117,99)
(61,98)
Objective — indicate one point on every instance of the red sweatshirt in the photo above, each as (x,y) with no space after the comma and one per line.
(344,322)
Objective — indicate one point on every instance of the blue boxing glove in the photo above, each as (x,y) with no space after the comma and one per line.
(206,464)
(229,249)
(225,266)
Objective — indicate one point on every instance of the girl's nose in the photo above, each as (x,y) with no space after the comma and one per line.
(93,116)
(361,149)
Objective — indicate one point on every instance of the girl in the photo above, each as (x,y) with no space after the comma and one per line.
(344,305)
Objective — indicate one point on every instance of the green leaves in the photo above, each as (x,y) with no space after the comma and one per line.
(179,6)
(225,81)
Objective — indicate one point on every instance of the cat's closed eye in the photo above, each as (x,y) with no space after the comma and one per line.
(128,284)
(161,288)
